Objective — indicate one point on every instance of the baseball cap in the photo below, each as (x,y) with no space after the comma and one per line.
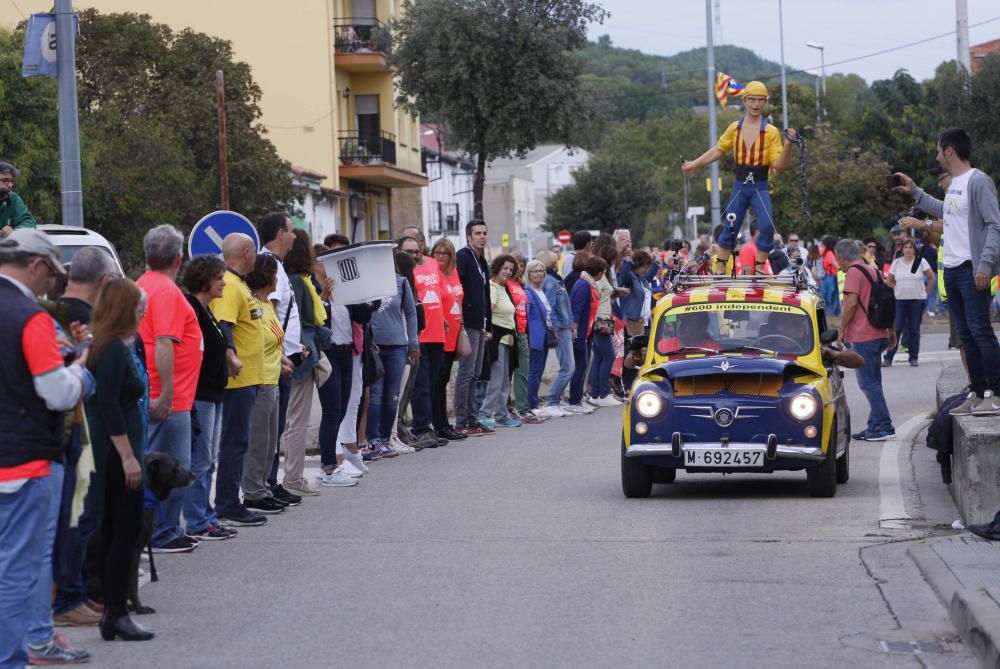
(35,242)
(895,229)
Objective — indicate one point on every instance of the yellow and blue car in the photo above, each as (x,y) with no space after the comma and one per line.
(734,380)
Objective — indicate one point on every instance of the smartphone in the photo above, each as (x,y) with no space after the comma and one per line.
(893,181)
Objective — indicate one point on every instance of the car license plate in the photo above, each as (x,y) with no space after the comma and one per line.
(723,457)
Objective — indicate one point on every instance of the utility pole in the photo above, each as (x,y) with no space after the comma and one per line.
(713,130)
(220,100)
(962,34)
(70,178)
(784,86)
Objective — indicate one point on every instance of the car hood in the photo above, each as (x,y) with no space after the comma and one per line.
(729,364)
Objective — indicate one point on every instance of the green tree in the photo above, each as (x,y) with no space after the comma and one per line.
(499,74)
(608,193)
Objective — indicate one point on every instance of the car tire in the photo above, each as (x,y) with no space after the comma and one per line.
(636,478)
(844,463)
(663,474)
(822,479)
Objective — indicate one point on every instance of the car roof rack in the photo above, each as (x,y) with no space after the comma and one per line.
(796,280)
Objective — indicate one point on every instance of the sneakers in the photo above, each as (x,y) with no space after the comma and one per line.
(285,497)
(552,411)
(300,487)
(578,409)
(215,533)
(399,444)
(860,436)
(241,517)
(338,479)
(485,429)
(887,362)
(508,422)
(965,408)
(384,449)
(348,468)
(914,363)
(356,460)
(178,545)
(528,417)
(488,423)
(988,406)
(81,616)
(266,505)
(369,454)
(56,651)
(606,401)
(875,435)
(469,430)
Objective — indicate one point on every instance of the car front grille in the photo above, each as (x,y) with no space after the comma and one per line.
(761,385)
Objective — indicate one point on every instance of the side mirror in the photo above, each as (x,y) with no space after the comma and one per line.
(829,336)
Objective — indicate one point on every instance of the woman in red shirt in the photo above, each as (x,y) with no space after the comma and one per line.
(829,290)
(522,410)
(443,252)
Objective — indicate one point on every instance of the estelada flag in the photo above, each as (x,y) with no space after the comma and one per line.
(726,86)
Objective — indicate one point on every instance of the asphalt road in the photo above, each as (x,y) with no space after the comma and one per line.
(519,550)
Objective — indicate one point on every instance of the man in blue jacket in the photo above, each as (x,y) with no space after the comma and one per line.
(474,274)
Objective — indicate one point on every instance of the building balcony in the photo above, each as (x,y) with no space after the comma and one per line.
(371,158)
(360,44)
(445,218)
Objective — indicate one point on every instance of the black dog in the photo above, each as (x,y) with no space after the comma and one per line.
(163,474)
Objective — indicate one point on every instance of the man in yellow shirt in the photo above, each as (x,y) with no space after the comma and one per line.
(241,319)
(757,147)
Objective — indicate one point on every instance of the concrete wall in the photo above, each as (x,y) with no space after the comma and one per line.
(975,461)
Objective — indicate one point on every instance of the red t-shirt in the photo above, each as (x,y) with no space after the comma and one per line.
(859,329)
(452,305)
(520,306)
(169,314)
(830,265)
(41,354)
(427,276)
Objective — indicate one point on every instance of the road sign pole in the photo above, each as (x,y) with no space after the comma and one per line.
(70,178)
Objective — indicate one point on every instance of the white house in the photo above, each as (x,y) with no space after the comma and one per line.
(315,209)
(447,197)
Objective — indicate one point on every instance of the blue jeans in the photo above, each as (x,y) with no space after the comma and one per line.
(602,355)
(69,555)
(333,398)
(536,365)
(580,359)
(173,437)
(870,382)
(206,429)
(23,515)
(909,313)
(567,365)
(384,393)
(40,616)
(237,405)
(970,310)
(828,289)
(745,195)
(431,359)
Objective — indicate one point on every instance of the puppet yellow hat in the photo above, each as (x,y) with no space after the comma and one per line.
(756,89)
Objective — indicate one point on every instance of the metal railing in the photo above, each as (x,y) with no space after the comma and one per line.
(360,35)
(367,148)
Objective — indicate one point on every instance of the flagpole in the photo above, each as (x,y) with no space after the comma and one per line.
(713,130)
(69,123)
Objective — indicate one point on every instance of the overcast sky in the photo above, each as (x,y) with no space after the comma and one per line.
(847,29)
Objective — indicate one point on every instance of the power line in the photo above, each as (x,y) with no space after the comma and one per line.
(297,127)
(18,9)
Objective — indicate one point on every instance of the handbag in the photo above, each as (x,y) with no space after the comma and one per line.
(463,347)
(372,368)
(322,370)
(551,337)
(604,326)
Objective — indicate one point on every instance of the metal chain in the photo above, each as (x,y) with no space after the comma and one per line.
(803,179)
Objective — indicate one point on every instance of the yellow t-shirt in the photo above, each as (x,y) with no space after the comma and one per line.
(239,307)
(503,310)
(760,153)
(274,341)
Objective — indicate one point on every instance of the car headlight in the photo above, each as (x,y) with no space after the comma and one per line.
(648,404)
(803,407)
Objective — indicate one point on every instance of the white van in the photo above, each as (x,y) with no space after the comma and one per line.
(70,239)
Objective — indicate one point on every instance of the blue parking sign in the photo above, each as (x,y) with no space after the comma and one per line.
(207,234)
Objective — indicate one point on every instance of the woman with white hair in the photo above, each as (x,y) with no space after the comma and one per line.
(561,318)
(538,328)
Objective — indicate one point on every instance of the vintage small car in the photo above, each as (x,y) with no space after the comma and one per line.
(734,380)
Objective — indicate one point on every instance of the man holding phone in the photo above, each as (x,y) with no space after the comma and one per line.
(970,215)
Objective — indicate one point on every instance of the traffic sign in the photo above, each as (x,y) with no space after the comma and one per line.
(207,234)
(564,237)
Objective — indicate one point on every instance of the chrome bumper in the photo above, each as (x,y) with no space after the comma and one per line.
(806,453)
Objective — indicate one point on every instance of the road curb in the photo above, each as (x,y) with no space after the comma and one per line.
(975,615)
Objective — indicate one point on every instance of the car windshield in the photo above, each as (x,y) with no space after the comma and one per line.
(740,327)
(66,253)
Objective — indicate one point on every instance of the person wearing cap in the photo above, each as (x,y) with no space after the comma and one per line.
(757,148)
(14,213)
(36,379)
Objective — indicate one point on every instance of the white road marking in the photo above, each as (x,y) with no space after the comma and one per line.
(214,236)
(891,509)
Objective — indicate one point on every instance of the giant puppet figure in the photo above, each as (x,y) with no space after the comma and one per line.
(757,147)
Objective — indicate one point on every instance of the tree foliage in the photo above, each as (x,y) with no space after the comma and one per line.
(148,131)
(499,74)
(607,194)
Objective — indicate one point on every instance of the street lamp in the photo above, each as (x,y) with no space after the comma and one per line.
(822,61)
(816,74)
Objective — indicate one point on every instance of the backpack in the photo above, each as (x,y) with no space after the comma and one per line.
(881,309)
